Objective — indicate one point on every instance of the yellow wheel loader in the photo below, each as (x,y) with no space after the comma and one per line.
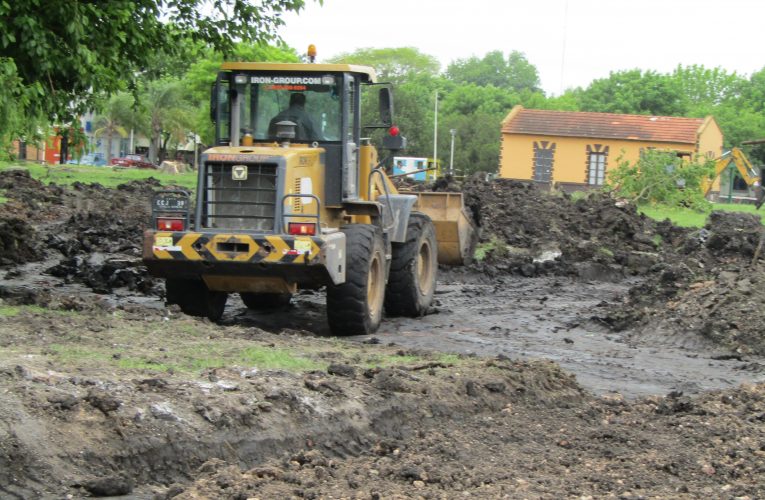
(293,196)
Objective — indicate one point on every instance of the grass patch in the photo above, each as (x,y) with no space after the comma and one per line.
(77,354)
(686,217)
(579,195)
(493,245)
(106,176)
(278,359)
(192,354)
(606,251)
(9,311)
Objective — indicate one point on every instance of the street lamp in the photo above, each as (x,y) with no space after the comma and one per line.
(453,132)
(435,133)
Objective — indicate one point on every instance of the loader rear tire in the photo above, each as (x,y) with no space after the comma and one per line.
(413,269)
(195,299)
(356,306)
(264,301)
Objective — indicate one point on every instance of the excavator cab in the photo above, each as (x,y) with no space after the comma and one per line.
(738,159)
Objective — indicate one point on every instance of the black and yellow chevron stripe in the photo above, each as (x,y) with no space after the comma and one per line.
(281,249)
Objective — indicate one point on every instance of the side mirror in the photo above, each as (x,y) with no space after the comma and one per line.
(386,107)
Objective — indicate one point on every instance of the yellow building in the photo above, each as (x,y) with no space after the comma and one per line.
(574,150)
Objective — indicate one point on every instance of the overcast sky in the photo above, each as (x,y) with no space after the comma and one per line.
(571,42)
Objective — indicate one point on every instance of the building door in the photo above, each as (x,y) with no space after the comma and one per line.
(544,153)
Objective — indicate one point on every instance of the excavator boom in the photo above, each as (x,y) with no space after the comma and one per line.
(737,158)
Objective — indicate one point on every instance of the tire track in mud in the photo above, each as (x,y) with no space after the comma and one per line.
(543,318)
(551,318)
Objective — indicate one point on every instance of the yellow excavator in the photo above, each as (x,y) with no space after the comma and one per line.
(293,195)
(738,159)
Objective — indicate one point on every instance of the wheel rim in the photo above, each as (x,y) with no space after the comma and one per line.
(424,268)
(375,291)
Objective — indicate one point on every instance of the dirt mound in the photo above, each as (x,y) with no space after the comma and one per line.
(711,284)
(17,241)
(99,238)
(610,449)
(101,232)
(102,273)
(530,231)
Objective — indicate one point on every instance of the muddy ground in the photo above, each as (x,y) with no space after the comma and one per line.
(586,355)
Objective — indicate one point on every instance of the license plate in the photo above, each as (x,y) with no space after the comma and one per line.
(163,241)
(171,203)
(302,245)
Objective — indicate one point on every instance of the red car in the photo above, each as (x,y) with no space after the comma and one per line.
(134,161)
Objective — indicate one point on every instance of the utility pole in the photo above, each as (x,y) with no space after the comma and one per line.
(435,132)
(451,156)
(196,153)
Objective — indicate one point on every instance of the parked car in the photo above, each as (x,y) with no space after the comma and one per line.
(134,161)
(96,159)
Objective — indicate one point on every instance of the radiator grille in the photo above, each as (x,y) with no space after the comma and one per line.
(244,205)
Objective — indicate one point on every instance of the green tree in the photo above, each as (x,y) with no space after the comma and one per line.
(705,86)
(58,56)
(201,74)
(165,114)
(514,72)
(392,64)
(635,92)
(661,177)
(116,118)
(475,114)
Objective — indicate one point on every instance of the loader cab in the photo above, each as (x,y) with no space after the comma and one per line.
(248,100)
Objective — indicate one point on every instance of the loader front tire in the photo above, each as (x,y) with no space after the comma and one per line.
(195,299)
(356,306)
(413,269)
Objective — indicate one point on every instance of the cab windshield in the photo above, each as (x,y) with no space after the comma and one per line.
(310,101)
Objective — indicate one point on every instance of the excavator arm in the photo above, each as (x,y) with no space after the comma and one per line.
(745,169)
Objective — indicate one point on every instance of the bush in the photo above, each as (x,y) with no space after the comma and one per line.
(661,177)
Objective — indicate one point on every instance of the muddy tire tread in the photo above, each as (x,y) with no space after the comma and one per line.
(402,297)
(347,303)
(194,298)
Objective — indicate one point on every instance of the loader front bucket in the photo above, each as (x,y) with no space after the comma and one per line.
(455,232)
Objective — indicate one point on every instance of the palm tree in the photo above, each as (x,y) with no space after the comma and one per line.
(116,117)
(166,114)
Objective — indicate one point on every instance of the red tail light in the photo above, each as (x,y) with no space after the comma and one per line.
(301,228)
(170,224)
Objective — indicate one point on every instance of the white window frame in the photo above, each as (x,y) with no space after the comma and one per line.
(596,168)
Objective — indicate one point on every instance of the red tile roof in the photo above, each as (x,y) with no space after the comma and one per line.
(603,125)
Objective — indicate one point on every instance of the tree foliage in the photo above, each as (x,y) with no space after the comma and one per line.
(60,55)
(513,73)
(118,116)
(661,177)
(635,92)
(393,64)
